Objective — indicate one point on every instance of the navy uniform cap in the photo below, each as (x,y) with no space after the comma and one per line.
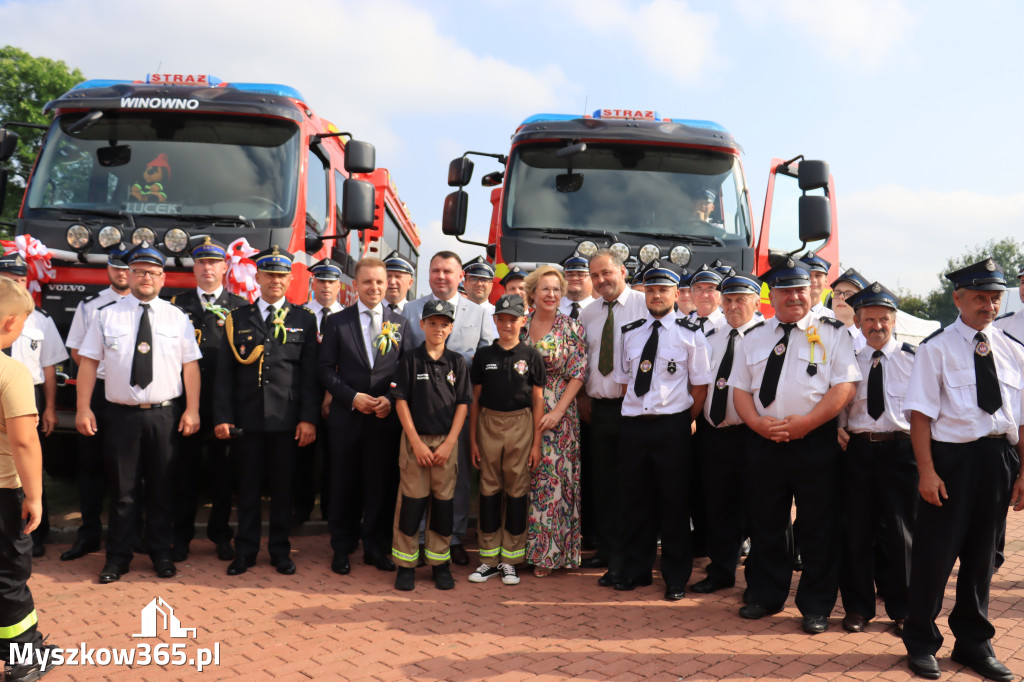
(684,277)
(741,283)
(815,263)
(144,253)
(1020,272)
(13,263)
(661,274)
(515,272)
(462,286)
(853,277)
(706,274)
(435,307)
(327,270)
(116,256)
(789,274)
(478,267)
(510,304)
(708,195)
(984,275)
(721,268)
(873,294)
(396,262)
(274,259)
(575,263)
(209,248)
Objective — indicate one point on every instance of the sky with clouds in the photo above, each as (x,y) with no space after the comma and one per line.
(916,105)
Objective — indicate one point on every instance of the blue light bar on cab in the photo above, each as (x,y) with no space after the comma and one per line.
(548,118)
(98,83)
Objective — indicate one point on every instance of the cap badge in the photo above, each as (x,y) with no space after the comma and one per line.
(438,307)
(18,260)
(275,251)
(990,266)
(645,366)
(206,240)
(521,367)
(504,304)
(877,288)
(143,347)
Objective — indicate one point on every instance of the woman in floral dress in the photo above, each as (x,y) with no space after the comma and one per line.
(553,533)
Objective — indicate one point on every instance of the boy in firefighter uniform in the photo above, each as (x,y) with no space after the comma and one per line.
(432,395)
(504,421)
(21,488)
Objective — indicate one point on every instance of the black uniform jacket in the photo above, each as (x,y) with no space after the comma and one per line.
(210,330)
(344,369)
(279,389)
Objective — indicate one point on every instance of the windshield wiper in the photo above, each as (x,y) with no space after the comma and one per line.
(699,240)
(92,211)
(571,232)
(214,219)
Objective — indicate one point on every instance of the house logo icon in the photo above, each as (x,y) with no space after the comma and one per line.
(158,615)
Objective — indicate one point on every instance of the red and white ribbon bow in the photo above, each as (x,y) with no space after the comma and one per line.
(37,259)
(242,269)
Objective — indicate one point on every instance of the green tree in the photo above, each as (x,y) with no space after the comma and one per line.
(26,84)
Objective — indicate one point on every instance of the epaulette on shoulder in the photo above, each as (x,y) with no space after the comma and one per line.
(42,312)
(683,322)
(89,298)
(754,326)
(1011,336)
(710,332)
(832,321)
(933,334)
(106,305)
(307,310)
(633,325)
(908,348)
(1005,315)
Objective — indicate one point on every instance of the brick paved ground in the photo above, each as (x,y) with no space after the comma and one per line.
(322,626)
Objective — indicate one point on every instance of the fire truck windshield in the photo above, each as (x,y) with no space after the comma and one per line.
(169,164)
(657,191)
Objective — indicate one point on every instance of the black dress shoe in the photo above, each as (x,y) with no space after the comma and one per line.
(240,565)
(594,562)
(406,579)
(79,549)
(179,552)
(383,563)
(815,625)
(112,572)
(675,592)
(225,552)
(284,565)
(459,555)
(709,585)
(164,568)
(986,666)
(854,622)
(609,579)
(340,565)
(443,577)
(38,549)
(924,666)
(630,584)
(755,611)
(897,626)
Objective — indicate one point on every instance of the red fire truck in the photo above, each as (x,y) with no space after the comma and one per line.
(645,186)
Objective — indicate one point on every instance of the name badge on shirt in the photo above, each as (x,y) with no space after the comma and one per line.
(422,377)
(490,365)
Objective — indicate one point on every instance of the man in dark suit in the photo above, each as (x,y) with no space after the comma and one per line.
(266,387)
(358,356)
(207,307)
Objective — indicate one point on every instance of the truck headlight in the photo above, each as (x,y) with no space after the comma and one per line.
(109,236)
(586,248)
(680,255)
(143,234)
(620,250)
(78,237)
(175,240)
(649,252)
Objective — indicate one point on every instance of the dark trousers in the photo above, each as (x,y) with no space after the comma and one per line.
(654,465)
(979,477)
(308,481)
(189,479)
(91,473)
(17,610)
(723,467)
(603,465)
(270,456)
(42,531)
(140,445)
(364,485)
(805,471)
(879,504)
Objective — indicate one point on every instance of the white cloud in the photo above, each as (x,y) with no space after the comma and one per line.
(671,37)
(903,237)
(852,32)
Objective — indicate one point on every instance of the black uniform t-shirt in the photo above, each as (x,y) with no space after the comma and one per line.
(432,388)
(507,377)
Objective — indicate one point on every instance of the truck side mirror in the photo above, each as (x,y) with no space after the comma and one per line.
(813,175)
(815,218)
(456,207)
(360,157)
(358,207)
(460,172)
(8,143)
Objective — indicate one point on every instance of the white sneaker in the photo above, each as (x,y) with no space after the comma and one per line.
(508,574)
(484,573)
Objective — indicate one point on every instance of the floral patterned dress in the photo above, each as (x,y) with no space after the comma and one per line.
(553,532)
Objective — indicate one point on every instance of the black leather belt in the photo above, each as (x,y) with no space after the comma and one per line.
(147,406)
(881,436)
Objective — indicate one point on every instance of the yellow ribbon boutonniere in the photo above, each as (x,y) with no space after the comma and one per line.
(389,337)
(279,328)
(814,338)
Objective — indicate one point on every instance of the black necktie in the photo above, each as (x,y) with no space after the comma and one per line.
(720,397)
(324,312)
(394,307)
(575,313)
(773,370)
(142,362)
(605,359)
(701,321)
(7,351)
(208,298)
(643,380)
(876,397)
(270,317)
(985,374)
